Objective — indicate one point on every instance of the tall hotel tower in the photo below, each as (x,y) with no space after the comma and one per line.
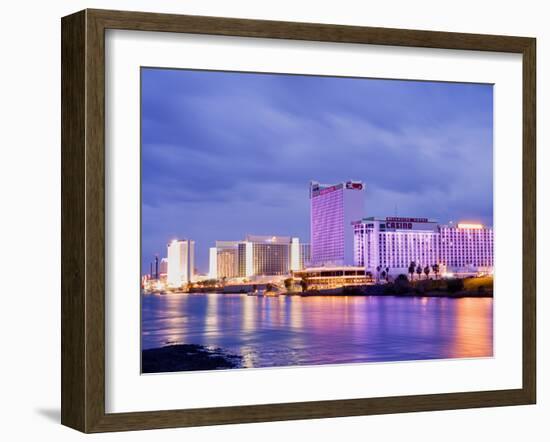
(334,207)
(181,261)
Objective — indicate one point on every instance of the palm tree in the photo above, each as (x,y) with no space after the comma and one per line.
(384,274)
(387,274)
(419,271)
(378,273)
(288,284)
(435,268)
(427,271)
(412,267)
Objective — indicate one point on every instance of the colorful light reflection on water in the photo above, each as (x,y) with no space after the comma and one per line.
(294,330)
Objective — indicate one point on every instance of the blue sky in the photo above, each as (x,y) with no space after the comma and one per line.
(226,154)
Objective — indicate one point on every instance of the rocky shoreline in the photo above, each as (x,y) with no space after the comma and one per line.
(186,357)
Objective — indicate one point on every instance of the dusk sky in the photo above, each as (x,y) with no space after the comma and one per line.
(229,154)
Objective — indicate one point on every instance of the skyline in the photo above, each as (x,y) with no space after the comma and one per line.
(210,172)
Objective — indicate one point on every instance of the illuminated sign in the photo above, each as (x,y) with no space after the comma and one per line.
(326,190)
(354,186)
(316,190)
(470,226)
(394,225)
(406,220)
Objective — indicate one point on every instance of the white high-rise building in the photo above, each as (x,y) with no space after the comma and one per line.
(334,207)
(395,242)
(213,263)
(181,262)
(466,247)
(295,254)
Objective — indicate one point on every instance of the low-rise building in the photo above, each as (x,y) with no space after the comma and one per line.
(322,278)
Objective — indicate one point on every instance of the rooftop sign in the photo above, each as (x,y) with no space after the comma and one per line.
(355,185)
(406,220)
(470,226)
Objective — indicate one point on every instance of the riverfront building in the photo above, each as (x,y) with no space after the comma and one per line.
(224,260)
(466,247)
(333,208)
(270,255)
(257,256)
(395,242)
(181,262)
(323,278)
(305,256)
(163,267)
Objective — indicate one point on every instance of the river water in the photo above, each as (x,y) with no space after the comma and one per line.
(294,330)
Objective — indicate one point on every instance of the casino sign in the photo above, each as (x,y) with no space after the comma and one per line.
(394,222)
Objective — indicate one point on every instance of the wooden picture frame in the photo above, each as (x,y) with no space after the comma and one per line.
(83,220)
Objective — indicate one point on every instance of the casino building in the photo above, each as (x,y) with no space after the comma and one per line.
(466,247)
(224,260)
(333,209)
(257,256)
(395,242)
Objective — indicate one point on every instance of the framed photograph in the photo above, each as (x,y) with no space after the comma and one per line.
(270,220)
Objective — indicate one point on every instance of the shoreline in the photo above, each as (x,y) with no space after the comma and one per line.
(186,357)
(481,287)
(432,294)
(341,292)
(413,295)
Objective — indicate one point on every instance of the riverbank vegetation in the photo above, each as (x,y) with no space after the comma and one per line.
(454,287)
(402,286)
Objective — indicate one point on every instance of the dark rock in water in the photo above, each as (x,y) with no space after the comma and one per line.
(186,357)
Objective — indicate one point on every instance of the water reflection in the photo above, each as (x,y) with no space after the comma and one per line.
(278,331)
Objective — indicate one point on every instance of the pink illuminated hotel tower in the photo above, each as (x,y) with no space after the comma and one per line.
(333,209)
